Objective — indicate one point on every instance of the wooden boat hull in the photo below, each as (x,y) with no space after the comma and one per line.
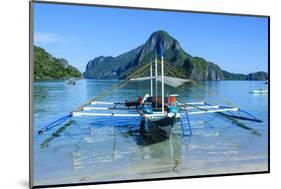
(157,128)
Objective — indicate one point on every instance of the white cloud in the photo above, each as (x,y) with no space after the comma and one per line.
(47,38)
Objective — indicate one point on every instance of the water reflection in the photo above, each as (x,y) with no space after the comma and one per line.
(56,134)
(94,149)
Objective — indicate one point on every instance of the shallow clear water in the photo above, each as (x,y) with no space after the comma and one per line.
(92,149)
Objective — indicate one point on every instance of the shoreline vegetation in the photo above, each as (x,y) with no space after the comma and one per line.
(47,67)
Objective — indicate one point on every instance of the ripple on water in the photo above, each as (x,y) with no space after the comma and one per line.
(95,149)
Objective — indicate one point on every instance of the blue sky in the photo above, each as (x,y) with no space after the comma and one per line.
(77,33)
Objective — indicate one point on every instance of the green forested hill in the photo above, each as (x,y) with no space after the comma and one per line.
(48,67)
(184,65)
(233,76)
(257,76)
(160,42)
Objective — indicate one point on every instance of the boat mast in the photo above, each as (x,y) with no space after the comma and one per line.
(162,82)
(156,80)
(151,81)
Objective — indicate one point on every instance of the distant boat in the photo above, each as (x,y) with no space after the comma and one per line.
(71,81)
(259,91)
(266,82)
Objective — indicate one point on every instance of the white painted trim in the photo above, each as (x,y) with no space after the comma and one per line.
(192,103)
(95,108)
(96,102)
(104,114)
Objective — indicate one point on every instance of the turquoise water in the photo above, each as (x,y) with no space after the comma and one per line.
(92,149)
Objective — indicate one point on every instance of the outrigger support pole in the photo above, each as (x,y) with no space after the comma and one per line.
(230,115)
(54,123)
(162,82)
(151,81)
(156,75)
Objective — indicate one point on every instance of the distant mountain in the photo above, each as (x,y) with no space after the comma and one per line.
(48,67)
(183,64)
(257,76)
(233,76)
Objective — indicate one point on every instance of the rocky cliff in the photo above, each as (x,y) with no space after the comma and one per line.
(160,42)
(257,76)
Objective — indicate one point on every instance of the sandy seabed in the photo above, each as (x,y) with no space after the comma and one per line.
(165,171)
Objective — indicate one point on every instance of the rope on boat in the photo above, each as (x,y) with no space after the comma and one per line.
(116,86)
(104,93)
(173,71)
(170,69)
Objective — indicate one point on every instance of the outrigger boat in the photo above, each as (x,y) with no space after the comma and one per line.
(159,114)
(259,91)
(71,81)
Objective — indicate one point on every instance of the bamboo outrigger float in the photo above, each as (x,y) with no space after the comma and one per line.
(158,114)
